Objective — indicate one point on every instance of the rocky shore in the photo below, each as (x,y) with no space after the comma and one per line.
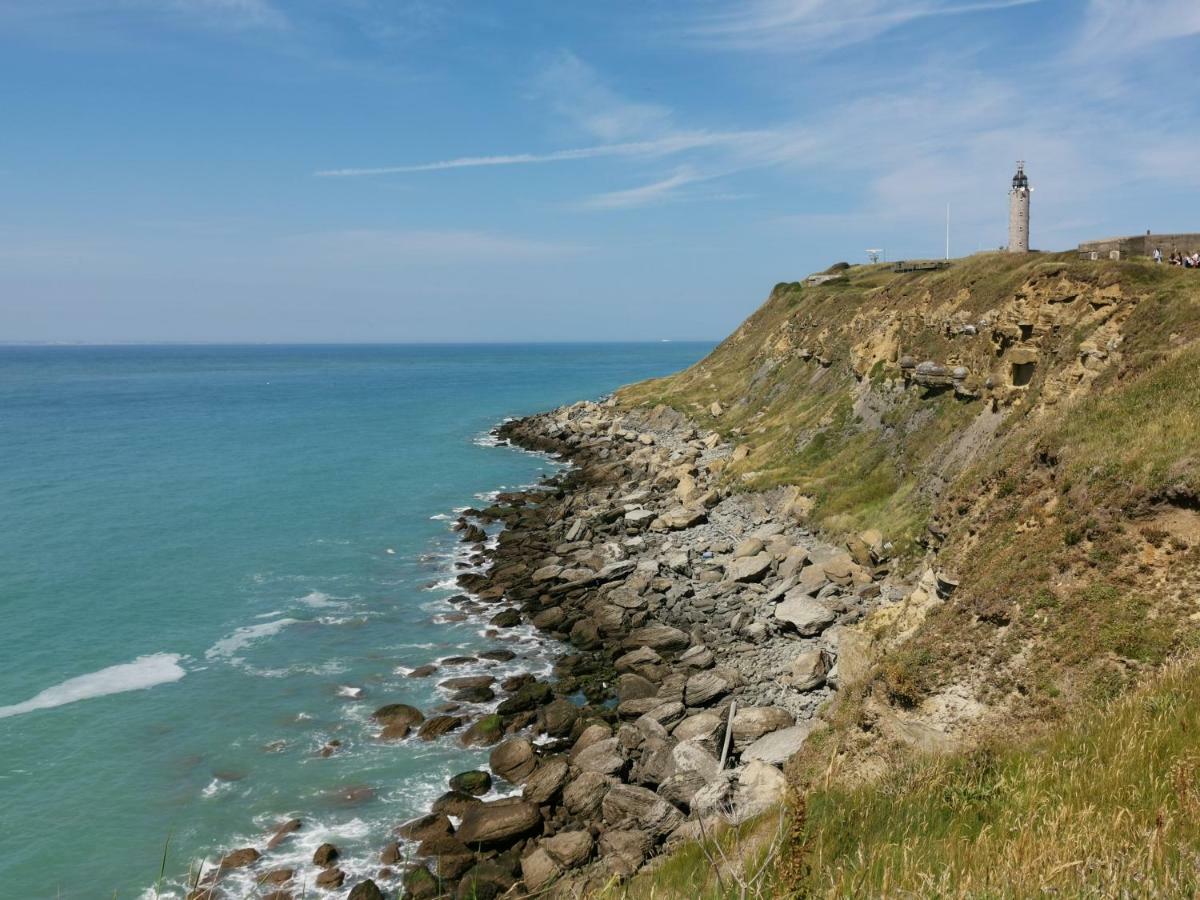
(702,626)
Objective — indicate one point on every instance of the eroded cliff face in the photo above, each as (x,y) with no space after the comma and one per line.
(1020,431)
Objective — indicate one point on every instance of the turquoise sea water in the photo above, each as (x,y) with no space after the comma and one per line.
(195,573)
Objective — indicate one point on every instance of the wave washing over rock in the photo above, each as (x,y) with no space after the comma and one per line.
(693,636)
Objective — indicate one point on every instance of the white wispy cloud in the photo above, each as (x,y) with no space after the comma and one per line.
(667,145)
(833,23)
(1123,27)
(646,194)
(575,92)
(389,247)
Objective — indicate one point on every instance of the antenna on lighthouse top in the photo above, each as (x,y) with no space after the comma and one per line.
(873,254)
(1020,180)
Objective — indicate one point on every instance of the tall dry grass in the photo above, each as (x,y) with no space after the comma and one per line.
(1107,808)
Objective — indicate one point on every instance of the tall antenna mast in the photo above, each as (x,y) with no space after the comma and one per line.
(947,231)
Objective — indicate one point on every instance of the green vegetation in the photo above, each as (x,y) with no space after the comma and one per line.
(1109,807)
(1141,439)
(1068,509)
(737,863)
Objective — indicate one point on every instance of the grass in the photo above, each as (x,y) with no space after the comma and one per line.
(737,862)
(1139,440)
(1068,528)
(1108,807)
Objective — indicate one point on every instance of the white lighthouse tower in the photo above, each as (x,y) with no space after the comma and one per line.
(1018,212)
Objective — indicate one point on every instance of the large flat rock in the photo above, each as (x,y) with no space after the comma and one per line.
(779,746)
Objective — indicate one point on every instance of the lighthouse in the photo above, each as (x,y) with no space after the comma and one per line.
(1018,212)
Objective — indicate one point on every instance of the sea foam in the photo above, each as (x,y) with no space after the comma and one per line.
(243,637)
(144,672)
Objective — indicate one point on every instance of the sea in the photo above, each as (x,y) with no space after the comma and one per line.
(215,562)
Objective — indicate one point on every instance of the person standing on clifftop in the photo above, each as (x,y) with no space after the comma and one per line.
(1157,256)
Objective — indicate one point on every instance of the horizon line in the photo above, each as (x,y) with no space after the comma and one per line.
(429,343)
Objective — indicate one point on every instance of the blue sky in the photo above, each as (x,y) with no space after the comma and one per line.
(393,170)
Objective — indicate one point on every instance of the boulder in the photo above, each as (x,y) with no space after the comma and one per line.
(484,732)
(514,760)
(627,805)
(793,561)
(558,717)
(592,734)
(636,660)
(840,569)
(750,569)
(808,669)
(485,881)
(603,757)
(570,849)
(398,713)
(697,657)
(545,573)
(810,580)
(451,856)
(703,688)
(639,518)
(808,617)
(549,619)
(419,884)
(366,890)
(546,781)
(539,870)
(325,855)
(655,764)
(681,788)
(682,518)
(454,803)
(749,547)
(283,831)
(584,634)
(397,731)
(623,851)
(583,796)
(657,637)
(634,687)
(391,853)
(432,729)
(426,827)
(499,823)
(779,746)
(528,696)
(331,879)
(666,714)
(239,859)
(707,729)
(752,722)
(760,786)
(694,758)
(476,782)
(506,618)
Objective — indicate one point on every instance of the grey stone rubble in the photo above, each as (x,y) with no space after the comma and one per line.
(679,602)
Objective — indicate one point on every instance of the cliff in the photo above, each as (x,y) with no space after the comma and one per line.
(1021,431)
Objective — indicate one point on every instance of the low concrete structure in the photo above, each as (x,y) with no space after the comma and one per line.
(1140,245)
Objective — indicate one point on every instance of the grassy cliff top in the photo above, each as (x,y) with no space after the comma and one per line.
(1025,425)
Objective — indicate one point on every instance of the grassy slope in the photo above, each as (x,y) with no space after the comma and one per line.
(1072,527)
(1109,806)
